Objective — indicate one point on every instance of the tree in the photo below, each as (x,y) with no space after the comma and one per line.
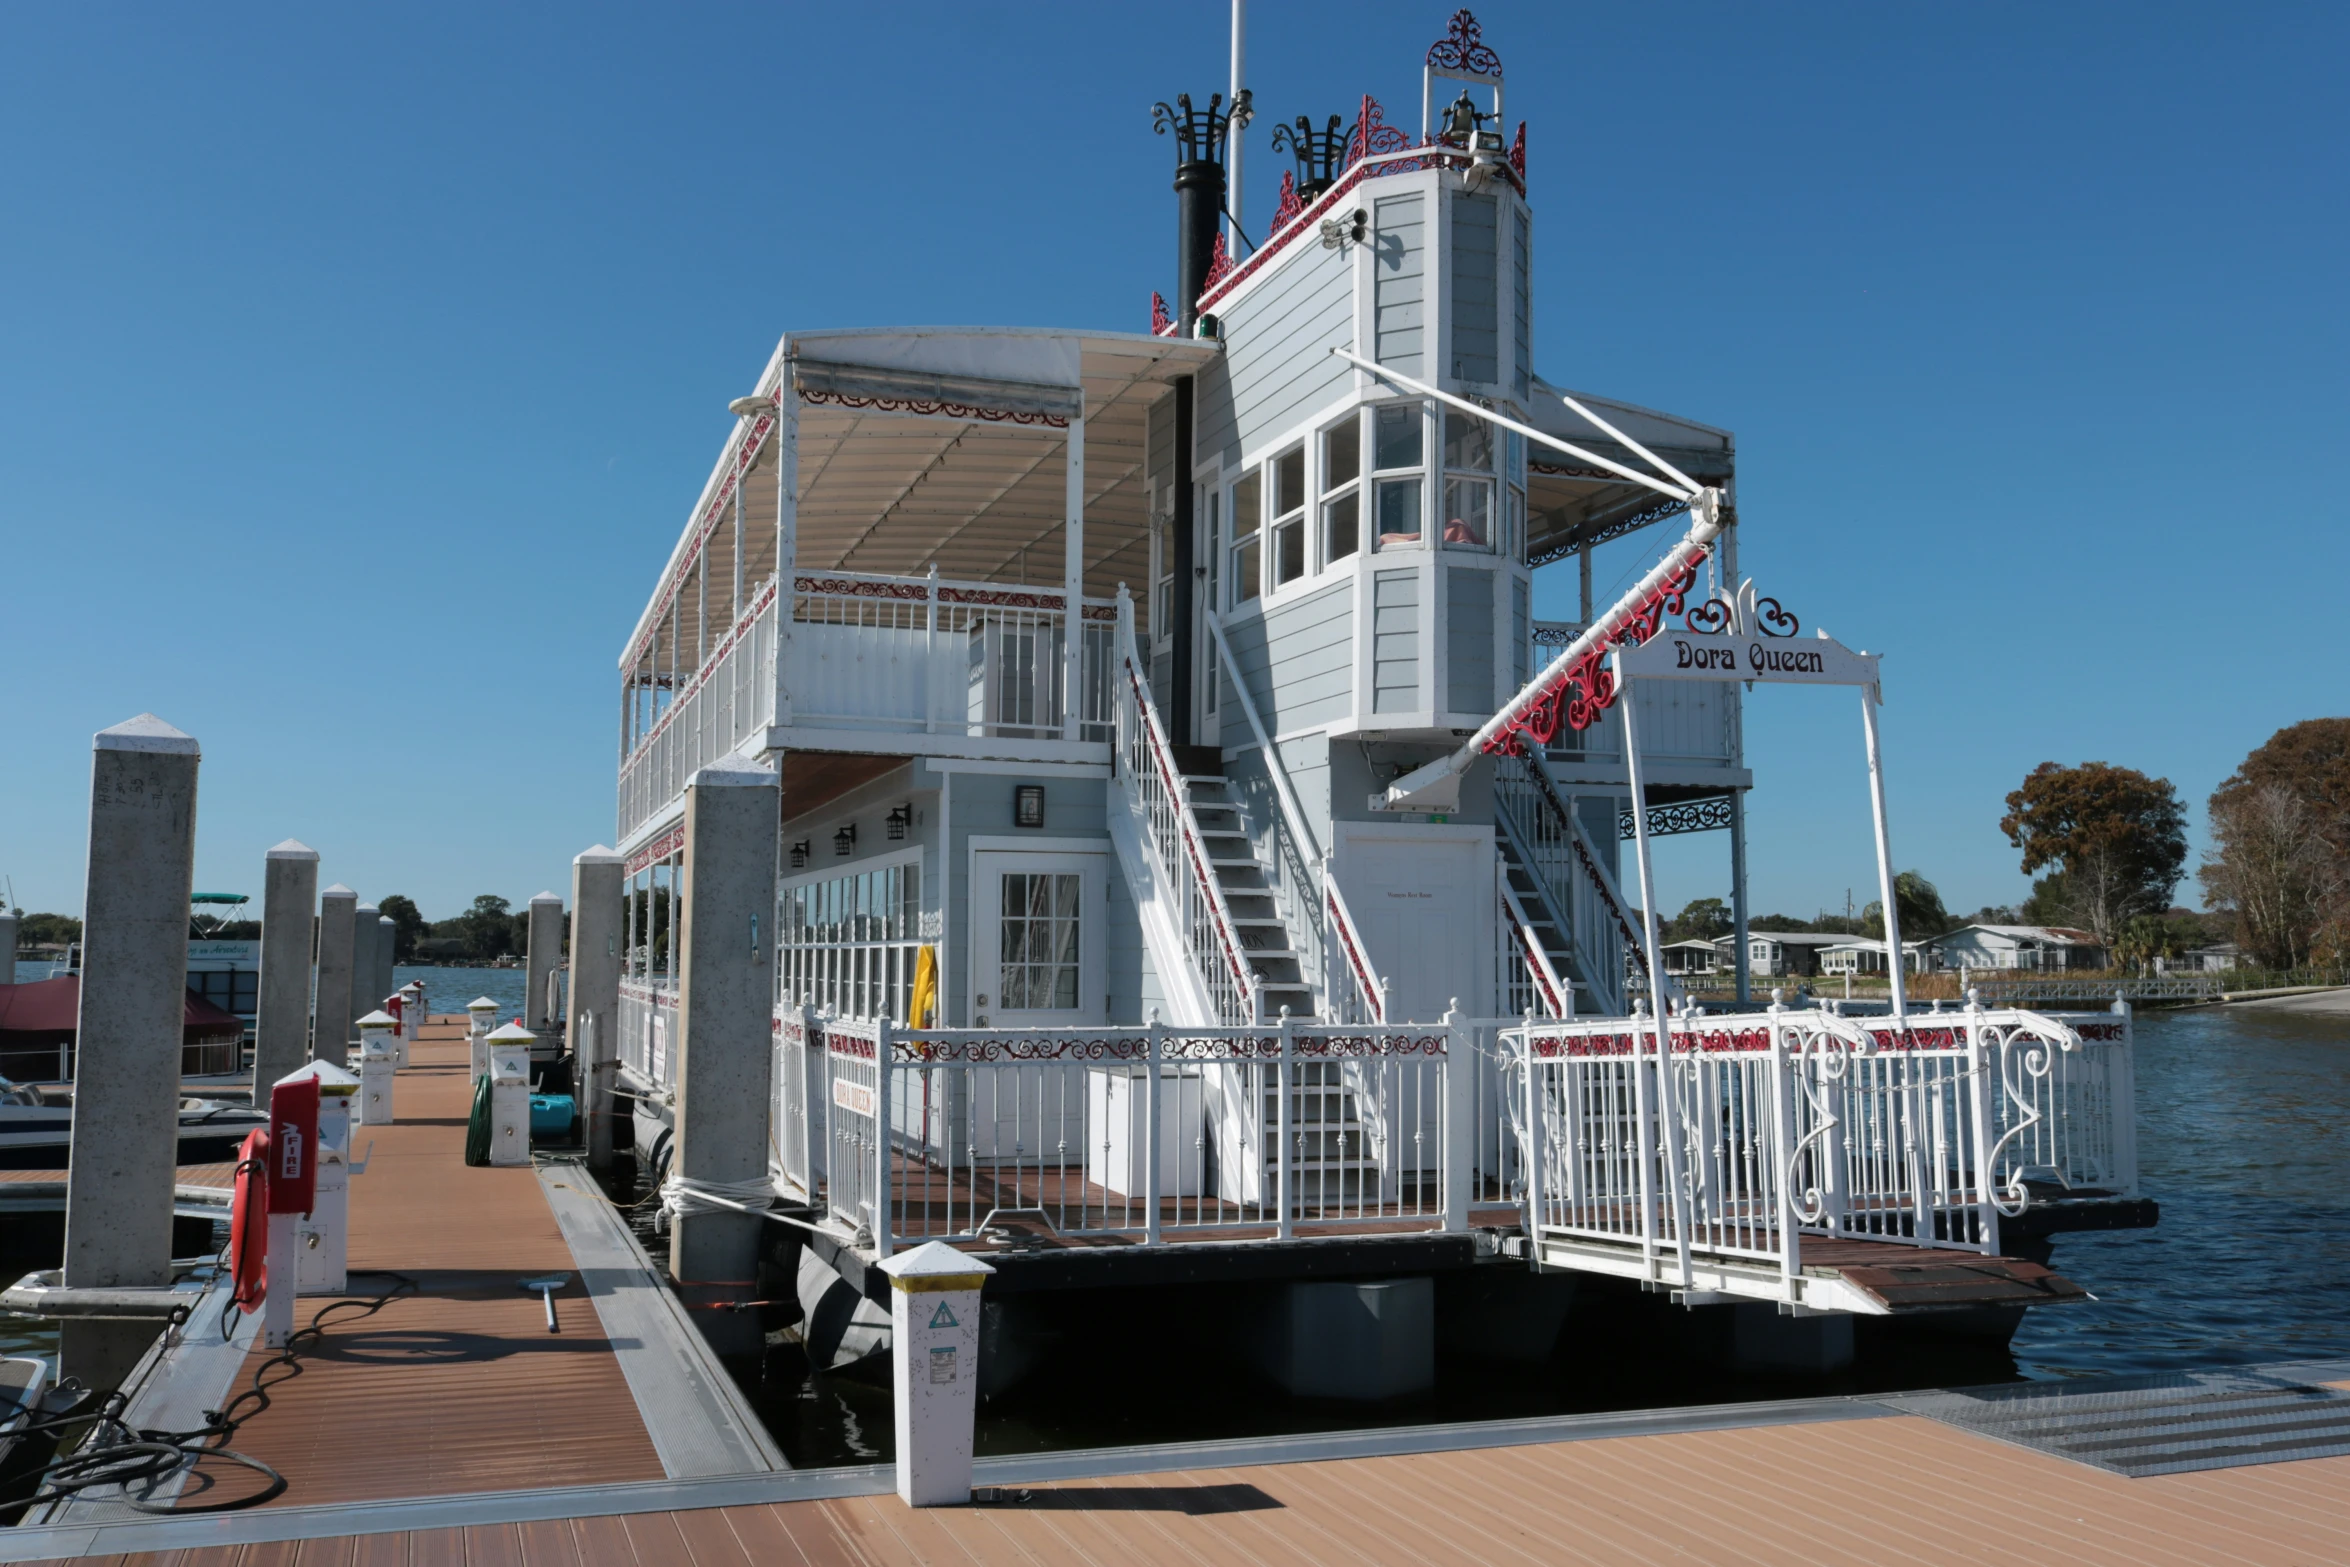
(1919,903)
(2276,871)
(408,926)
(1778,922)
(1701,920)
(2281,830)
(48,930)
(2118,836)
(486,929)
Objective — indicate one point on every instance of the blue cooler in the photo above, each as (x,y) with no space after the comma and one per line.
(551,1115)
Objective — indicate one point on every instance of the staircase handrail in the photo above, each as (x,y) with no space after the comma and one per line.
(1508,822)
(1587,853)
(1559,990)
(1189,872)
(1370,995)
(1292,812)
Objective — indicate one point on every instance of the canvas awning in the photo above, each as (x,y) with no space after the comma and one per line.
(47,1011)
(1569,504)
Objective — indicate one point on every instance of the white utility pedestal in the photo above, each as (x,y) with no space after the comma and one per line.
(411,1017)
(934,1320)
(481,1015)
(322,1237)
(510,1094)
(379,1064)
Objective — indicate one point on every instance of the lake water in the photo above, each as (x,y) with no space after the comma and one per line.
(2242,1120)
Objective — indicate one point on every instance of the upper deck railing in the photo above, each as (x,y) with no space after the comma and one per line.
(899,655)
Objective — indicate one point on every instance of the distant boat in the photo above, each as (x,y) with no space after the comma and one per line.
(37,1135)
(38,1020)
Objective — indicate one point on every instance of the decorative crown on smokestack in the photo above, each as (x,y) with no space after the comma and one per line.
(1200,134)
(1202,137)
(1317,153)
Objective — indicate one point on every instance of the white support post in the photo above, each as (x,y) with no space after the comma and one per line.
(742,480)
(2122,1100)
(1460,1121)
(1783,1092)
(1667,1119)
(1893,963)
(787,533)
(1534,1149)
(1073,581)
(1744,965)
(1982,1108)
(934,1353)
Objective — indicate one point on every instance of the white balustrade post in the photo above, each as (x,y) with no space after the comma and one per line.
(1154,1131)
(881,1134)
(787,534)
(1783,1093)
(1073,583)
(1982,1109)
(1460,1121)
(1284,1165)
(931,680)
(934,1354)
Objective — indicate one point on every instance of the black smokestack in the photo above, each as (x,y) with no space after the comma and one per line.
(1201,138)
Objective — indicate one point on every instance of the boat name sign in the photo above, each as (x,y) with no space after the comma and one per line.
(1682,655)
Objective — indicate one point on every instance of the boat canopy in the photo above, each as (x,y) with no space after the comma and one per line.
(1570,506)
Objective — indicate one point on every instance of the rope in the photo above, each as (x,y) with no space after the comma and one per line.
(683,1197)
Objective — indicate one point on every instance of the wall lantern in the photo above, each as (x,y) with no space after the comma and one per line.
(901,817)
(1028,805)
(799,853)
(845,841)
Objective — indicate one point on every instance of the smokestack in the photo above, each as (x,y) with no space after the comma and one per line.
(1202,137)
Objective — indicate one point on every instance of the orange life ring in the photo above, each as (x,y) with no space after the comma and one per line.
(248,1223)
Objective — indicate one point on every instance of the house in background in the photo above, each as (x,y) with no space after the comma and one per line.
(1866,955)
(1779,953)
(2037,949)
(1692,957)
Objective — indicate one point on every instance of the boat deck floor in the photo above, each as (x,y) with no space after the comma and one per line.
(453,1383)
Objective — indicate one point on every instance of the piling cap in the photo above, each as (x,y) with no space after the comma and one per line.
(414,984)
(733,774)
(338,890)
(513,1034)
(292,849)
(481,1004)
(146,733)
(379,1019)
(332,1079)
(934,1267)
(548,897)
(601,854)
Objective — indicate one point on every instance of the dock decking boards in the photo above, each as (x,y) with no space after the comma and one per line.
(456,1386)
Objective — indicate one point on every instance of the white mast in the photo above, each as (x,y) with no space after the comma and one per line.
(1232,155)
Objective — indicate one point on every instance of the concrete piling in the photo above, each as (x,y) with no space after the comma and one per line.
(289,910)
(7,948)
(366,922)
(119,1183)
(330,1028)
(546,953)
(725,1004)
(387,940)
(595,992)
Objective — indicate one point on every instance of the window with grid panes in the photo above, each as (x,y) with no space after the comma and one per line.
(1342,490)
(1468,481)
(1396,477)
(1288,474)
(1247,538)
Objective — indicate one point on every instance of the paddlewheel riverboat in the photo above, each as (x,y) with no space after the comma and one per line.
(1194,857)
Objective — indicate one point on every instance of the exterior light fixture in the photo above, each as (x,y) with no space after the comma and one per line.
(844,842)
(799,853)
(751,407)
(1028,805)
(900,818)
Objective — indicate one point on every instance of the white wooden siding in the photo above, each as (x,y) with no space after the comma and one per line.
(1395,641)
(1400,295)
(1468,639)
(1278,366)
(1475,268)
(1521,261)
(1298,660)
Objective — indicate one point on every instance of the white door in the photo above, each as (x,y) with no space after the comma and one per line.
(1036,963)
(1425,899)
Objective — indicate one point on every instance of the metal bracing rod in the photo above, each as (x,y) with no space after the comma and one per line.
(1662,466)
(1423,389)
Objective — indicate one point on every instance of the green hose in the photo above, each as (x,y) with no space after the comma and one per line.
(477,1125)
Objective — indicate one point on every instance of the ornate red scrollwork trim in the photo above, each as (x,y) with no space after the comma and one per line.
(659,849)
(1219,264)
(1577,696)
(1463,48)
(1518,155)
(852,587)
(1161,322)
(1372,133)
(927,405)
(1290,208)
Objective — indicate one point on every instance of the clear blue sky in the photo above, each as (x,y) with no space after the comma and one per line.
(356,371)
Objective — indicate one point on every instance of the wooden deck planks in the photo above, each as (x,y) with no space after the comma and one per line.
(457,1387)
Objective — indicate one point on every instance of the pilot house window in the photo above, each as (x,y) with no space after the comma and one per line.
(1342,492)
(1395,446)
(1288,472)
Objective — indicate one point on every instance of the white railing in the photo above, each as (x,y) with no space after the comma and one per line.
(647,1035)
(1766,1127)
(919,655)
(729,699)
(1353,993)
(1161,811)
(930,656)
(1138,1133)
